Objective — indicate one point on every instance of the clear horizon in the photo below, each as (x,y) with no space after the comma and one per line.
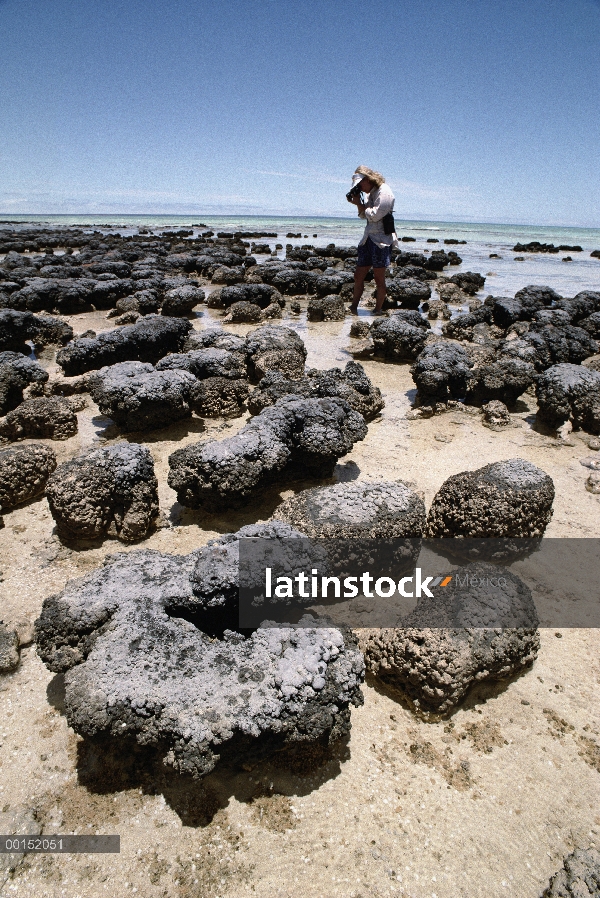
(482,113)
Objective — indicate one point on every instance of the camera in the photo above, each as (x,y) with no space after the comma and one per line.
(354,193)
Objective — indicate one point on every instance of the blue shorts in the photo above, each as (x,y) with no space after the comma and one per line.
(373,256)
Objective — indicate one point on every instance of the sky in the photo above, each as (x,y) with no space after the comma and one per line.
(474,110)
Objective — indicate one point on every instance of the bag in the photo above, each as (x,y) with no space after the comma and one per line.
(388,223)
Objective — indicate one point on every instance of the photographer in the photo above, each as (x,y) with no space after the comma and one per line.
(374,250)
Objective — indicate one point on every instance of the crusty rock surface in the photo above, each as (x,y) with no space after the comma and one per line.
(209,362)
(579,877)
(569,393)
(495,415)
(9,649)
(106,492)
(219,397)
(137,670)
(215,338)
(148,340)
(408,292)
(24,471)
(138,397)
(357,510)
(245,313)
(510,498)
(17,328)
(181,300)
(275,348)
(351,384)
(463,636)
(215,576)
(17,371)
(441,372)
(306,434)
(504,379)
(261,295)
(50,417)
(326,308)
(396,339)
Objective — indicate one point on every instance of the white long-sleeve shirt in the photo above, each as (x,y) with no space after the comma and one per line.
(379,202)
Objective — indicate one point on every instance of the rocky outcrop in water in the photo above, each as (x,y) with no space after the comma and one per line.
(441,372)
(326,308)
(151,338)
(17,328)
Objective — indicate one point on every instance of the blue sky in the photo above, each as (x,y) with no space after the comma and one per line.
(483,110)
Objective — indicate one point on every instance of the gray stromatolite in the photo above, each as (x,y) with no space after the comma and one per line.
(50,417)
(351,384)
(306,434)
(16,328)
(137,670)
(24,471)
(107,492)
(510,498)
(215,577)
(504,379)
(326,308)
(569,393)
(579,877)
(394,338)
(181,300)
(441,372)
(17,371)
(138,397)
(358,510)
(151,338)
(275,348)
(457,639)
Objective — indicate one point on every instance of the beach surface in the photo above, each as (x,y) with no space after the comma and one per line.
(487,803)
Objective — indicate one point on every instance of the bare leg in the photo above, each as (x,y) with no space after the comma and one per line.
(379,275)
(359,283)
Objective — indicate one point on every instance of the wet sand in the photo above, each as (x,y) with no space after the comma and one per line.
(486,804)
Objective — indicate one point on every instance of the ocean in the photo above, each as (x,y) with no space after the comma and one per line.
(504,276)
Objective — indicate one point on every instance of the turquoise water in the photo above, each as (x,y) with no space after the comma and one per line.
(504,276)
(335,228)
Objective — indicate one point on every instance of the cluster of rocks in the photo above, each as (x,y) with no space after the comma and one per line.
(19,328)
(502,349)
(351,385)
(148,340)
(149,631)
(534,246)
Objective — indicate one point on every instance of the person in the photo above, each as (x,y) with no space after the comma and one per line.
(374,250)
